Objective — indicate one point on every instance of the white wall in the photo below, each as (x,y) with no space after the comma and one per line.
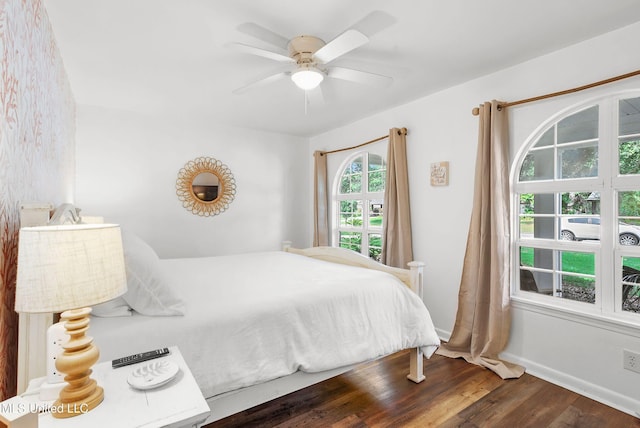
(127,165)
(582,357)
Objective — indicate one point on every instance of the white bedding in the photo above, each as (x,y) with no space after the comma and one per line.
(255,317)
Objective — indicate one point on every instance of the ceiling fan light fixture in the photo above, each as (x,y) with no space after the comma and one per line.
(307,78)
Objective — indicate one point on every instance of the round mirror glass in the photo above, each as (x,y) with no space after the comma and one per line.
(206,186)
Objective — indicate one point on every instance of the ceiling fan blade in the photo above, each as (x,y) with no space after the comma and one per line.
(345,42)
(261,82)
(261,33)
(277,56)
(358,76)
(374,22)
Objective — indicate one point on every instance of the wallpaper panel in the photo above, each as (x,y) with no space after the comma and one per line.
(37,146)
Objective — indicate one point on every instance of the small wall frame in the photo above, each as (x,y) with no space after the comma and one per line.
(440,173)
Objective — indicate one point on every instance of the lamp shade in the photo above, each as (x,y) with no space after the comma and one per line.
(307,78)
(69,267)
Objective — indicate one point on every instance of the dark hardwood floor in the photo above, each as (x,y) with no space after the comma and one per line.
(455,394)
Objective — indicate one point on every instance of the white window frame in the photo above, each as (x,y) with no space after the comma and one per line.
(365,196)
(608,252)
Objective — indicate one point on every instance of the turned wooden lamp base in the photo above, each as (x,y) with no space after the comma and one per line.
(82,393)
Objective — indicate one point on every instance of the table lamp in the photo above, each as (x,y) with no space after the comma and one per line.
(68,268)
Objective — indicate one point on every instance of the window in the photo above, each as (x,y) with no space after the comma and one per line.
(359,204)
(577,212)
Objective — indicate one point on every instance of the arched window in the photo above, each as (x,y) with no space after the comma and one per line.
(358,204)
(576,211)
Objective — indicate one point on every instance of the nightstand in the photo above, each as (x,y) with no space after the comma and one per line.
(179,403)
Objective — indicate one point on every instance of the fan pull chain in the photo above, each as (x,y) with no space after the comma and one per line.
(306,102)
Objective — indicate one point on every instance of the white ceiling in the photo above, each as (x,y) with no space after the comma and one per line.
(169,57)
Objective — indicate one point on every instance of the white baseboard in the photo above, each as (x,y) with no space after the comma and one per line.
(443,334)
(595,392)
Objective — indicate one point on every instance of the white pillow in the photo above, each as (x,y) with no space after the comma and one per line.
(148,291)
(117,307)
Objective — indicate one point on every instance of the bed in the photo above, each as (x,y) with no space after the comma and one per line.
(256,326)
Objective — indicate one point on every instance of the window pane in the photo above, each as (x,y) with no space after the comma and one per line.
(629,116)
(377,173)
(351,213)
(537,203)
(375,246)
(579,127)
(375,213)
(351,179)
(629,217)
(579,228)
(536,257)
(536,282)
(526,256)
(629,206)
(376,181)
(546,139)
(580,220)
(351,241)
(526,227)
(630,284)
(580,288)
(578,161)
(355,166)
(578,262)
(536,215)
(537,165)
(629,155)
(537,227)
(580,203)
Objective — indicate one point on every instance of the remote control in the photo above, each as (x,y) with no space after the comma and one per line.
(138,358)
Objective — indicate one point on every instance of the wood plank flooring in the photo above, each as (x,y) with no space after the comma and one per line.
(455,394)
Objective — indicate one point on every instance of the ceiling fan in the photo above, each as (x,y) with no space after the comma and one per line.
(308,58)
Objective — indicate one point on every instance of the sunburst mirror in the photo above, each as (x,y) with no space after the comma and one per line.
(205,186)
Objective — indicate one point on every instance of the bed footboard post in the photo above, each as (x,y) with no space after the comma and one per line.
(415,357)
(417,272)
(415,366)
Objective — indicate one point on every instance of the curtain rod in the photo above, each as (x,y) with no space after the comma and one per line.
(401,131)
(476,110)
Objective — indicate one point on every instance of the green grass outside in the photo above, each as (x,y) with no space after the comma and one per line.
(526,225)
(575,262)
(357,221)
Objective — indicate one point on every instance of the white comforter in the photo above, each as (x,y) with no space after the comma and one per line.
(255,317)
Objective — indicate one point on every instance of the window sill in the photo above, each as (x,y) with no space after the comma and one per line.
(605,322)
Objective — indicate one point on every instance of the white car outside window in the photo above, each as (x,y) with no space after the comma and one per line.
(588,228)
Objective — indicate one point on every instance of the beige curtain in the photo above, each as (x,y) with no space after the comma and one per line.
(396,222)
(481,330)
(320,200)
